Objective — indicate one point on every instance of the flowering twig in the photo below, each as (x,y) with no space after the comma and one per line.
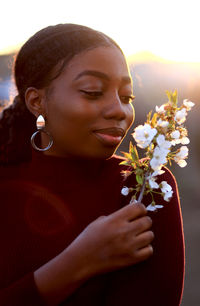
(158,137)
(142,189)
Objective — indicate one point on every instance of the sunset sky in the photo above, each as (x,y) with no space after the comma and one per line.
(169,29)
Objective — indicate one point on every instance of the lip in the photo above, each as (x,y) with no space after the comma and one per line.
(110,136)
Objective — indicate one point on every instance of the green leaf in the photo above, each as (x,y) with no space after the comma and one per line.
(172,96)
(154,119)
(124,162)
(128,156)
(134,165)
(168,93)
(149,117)
(130,147)
(175,94)
(139,171)
(139,179)
(134,154)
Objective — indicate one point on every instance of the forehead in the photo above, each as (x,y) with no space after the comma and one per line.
(106,60)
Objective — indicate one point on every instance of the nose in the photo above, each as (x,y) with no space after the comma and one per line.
(114,109)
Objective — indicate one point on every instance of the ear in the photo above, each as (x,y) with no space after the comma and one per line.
(34,99)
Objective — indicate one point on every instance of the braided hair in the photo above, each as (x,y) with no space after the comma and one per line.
(34,66)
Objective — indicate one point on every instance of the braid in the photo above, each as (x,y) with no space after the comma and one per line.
(16,126)
(40,60)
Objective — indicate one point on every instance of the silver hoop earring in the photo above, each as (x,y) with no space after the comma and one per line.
(40,123)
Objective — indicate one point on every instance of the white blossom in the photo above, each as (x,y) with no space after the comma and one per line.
(182,163)
(175,134)
(125,191)
(143,135)
(168,195)
(184,140)
(167,190)
(162,123)
(181,155)
(157,172)
(162,142)
(157,136)
(180,116)
(188,104)
(177,140)
(152,183)
(160,109)
(152,178)
(159,158)
(152,207)
(165,187)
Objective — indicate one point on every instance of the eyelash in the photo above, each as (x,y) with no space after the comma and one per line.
(92,94)
(96,94)
(129,98)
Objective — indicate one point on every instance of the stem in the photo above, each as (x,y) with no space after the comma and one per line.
(142,191)
(143,188)
(133,201)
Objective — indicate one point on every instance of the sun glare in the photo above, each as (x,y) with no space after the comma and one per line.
(166,29)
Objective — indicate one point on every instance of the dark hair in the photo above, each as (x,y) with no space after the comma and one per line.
(34,66)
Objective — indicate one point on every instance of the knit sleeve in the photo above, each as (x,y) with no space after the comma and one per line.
(22,292)
(158,280)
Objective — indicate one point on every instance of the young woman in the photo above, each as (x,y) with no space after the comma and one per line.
(68,236)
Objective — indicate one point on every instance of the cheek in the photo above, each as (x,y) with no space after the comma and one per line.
(63,110)
(130,115)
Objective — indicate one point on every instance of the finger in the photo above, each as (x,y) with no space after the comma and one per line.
(140,225)
(130,212)
(101,217)
(144,253)
(144,239)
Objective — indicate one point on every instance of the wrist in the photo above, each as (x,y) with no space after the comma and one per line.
(61,276)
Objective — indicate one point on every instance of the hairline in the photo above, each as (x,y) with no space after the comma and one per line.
(62,65)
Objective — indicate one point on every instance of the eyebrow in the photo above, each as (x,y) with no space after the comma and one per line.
(101,75)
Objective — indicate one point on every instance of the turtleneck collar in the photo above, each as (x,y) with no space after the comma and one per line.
(44,164)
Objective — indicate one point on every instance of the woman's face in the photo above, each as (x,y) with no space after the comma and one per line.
(88,108)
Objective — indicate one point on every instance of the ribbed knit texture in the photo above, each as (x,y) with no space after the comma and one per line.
(45,204)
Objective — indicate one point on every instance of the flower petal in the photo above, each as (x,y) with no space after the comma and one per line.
(125,191)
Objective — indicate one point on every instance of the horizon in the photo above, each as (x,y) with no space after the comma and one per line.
(138,57)
(169,31)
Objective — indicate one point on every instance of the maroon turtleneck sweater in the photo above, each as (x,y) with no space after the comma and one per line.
(46,203)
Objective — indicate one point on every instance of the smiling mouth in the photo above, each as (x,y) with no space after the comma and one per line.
(110,136)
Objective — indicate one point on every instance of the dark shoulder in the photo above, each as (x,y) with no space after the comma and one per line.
(12,171)
(115,162)
(7,171)
(116,159)
(121,171)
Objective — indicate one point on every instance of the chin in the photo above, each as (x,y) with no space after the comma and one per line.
(105,154)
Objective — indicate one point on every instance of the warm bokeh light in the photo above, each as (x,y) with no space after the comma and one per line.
(169,29)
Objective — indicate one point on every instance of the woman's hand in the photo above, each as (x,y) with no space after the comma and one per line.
(108,243)
(115,241)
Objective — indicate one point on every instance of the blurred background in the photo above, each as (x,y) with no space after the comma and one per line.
(161,42)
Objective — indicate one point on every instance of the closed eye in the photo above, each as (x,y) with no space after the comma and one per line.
(92,94)
(96,94)
(127,99)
